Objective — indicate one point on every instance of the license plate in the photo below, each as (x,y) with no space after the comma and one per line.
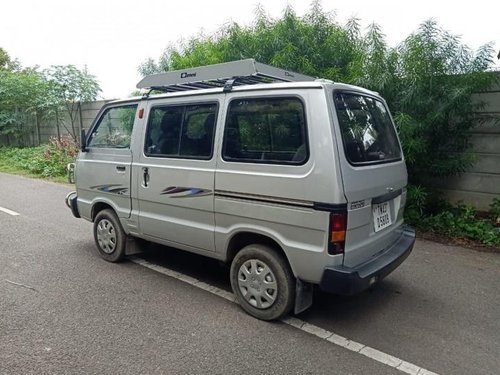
(381,216)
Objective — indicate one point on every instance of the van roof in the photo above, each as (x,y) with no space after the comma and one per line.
(316,84)
(242,75)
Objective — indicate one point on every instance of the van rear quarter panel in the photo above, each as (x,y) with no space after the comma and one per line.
(276,200)
(362,183)
(362,242)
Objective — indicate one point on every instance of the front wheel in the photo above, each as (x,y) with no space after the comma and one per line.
(263,282)
(109,236)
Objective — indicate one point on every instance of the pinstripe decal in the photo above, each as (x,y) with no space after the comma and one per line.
(281,201)
(185,192)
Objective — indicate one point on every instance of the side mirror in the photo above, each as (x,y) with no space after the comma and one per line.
(83,141)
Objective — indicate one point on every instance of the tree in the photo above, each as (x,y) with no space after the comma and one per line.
(27,96)
(315,44)
(20,94)
(427,81)
(68,87)
(6,63)
(436,78)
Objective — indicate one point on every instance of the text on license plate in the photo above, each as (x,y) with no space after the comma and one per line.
(381,216)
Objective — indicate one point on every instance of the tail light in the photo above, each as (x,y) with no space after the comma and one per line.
(338,227)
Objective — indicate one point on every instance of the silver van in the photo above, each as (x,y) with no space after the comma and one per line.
(291,180)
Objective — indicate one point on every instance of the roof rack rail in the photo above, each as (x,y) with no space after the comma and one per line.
(225,75)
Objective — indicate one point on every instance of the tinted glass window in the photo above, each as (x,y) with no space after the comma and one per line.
(367,130)
(269,130)
(184,131)
(114,129)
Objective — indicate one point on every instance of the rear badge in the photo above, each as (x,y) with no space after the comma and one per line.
(358,204)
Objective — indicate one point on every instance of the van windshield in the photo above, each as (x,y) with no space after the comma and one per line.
(368,134)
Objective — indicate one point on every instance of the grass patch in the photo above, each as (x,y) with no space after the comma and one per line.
(46,161)
(427,211)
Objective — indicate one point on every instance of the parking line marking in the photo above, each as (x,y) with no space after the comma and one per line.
(10,212)
(367,351)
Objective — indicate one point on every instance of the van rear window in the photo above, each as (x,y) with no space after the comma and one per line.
(368,134)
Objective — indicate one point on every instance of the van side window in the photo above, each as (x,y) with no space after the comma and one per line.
(181,131)
(114,129)
(266,130)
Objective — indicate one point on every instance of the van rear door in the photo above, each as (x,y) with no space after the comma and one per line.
(373,173)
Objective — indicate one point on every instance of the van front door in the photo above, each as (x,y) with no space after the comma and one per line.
(176,174)
(103,172)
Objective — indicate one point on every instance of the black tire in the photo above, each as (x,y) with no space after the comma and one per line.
(245,282)
(109,236)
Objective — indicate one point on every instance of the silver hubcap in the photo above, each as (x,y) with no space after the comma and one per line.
(106,236)
(257,284)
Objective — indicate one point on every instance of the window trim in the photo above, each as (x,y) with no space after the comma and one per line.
(383,102)
(268,162)
(97,121)
(181,104)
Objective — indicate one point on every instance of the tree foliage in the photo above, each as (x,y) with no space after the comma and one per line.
(435,77)
(6,63)
(28,96)
(68,87)
(427,80)
(21,94)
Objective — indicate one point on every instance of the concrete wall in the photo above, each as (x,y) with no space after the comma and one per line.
(49,129)
(88,113)
(481,184)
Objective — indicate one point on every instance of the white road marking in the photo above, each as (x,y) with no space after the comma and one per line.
(377,355)
(10,212)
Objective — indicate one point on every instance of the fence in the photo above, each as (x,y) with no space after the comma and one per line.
(59,125)
(84,117)
(481,184)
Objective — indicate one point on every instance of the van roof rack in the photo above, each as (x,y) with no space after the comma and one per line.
(225,75)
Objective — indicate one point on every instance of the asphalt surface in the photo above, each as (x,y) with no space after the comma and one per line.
(64,310)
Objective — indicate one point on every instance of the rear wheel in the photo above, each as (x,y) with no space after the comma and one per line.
(263,282)
(109,236)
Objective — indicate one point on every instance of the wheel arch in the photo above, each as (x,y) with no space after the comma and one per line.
(98,207)
(244,238)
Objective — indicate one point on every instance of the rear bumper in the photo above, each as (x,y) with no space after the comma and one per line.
(71,202)
(348,281)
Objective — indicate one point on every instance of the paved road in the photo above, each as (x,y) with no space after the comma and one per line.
(75,313)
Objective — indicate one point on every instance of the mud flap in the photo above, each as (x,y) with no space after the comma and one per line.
(132,246)
(303,296)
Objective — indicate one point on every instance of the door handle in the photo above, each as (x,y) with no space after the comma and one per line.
(145,177)
(120,168)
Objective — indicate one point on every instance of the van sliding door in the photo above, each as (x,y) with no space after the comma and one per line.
(176,172)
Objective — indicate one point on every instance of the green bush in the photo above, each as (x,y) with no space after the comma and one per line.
(57,155)
(427,211)
(48,160)
(495,211)
(415,203)
(462,221)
